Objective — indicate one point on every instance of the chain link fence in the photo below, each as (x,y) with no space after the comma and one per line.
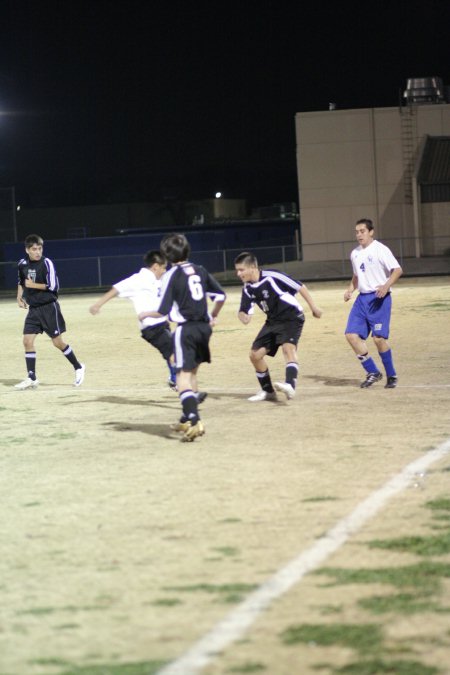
(314,261)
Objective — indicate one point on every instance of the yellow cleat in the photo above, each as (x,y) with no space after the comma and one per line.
(193,432)
(180,426)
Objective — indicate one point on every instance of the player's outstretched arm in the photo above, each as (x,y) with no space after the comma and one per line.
(95,308)
(151,315)
(306,295)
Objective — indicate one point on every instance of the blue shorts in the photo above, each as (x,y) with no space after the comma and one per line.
(370,314)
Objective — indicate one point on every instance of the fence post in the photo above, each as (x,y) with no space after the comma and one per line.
(99,270)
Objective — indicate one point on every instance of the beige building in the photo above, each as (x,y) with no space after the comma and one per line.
(376,163)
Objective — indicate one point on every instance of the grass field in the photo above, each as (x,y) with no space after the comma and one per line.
(300,537)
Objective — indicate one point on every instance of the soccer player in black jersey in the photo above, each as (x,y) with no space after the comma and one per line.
(37,291)
(274,292)
(184,293)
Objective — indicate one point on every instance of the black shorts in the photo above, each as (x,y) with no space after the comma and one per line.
(159,336)
(272,336)
(45,319)
(192,345)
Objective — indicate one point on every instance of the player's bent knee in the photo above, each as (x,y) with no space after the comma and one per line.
(380,341)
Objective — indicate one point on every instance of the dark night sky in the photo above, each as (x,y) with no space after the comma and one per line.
(144,100)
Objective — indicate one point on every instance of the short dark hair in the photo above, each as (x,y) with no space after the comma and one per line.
(367,222)
(175,247)
(32,239)
(246,258)
(152,257)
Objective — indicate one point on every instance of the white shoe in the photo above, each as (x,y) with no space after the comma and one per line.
(27,384)
(264,396)
(286,389)
(79,375)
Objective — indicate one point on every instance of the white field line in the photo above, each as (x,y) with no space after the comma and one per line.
(237,622)
(64,389)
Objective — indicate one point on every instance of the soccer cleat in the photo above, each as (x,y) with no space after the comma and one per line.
(264,396)
(27,384)
(286,389)
(193,431)
(172,384)
(200,396)
(180,426)
(370,380)
(79,375)
(391,382)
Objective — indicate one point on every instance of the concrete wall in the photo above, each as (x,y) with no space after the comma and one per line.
(360,163)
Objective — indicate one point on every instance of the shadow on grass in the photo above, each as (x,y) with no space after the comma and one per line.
(161,430)
(126,400)
(9,383)
(334,381)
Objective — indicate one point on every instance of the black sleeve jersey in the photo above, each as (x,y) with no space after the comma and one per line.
(185,290)
(274,293)
(41,272)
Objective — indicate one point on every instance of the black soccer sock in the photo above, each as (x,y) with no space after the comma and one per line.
(30,360)
(70,356)
(292,373)
(264,381)
(190,407)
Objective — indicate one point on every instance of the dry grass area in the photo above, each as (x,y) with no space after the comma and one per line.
(122,547)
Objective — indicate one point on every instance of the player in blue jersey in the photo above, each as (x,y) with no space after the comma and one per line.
(375,270)
(37,291)
(185,289)
(274,292)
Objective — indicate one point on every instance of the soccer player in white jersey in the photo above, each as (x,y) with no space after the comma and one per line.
(144,290)
(375,270)
(274,293)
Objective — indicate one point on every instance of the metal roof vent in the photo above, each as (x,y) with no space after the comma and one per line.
(424,90)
